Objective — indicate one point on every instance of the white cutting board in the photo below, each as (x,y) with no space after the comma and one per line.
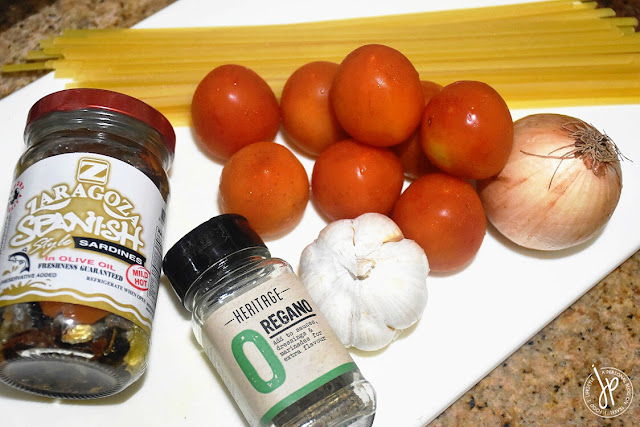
(474,319)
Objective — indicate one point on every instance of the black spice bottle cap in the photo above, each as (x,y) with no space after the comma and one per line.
(205,245)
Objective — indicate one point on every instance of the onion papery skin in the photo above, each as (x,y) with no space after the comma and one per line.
(540,202)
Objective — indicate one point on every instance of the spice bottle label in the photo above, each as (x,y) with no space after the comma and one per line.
(272,346)
(87,229)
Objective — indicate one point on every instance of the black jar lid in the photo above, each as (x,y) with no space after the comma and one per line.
(82,98)
(203,247)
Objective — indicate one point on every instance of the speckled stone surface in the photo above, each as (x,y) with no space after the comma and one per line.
(23,23)
(541,383)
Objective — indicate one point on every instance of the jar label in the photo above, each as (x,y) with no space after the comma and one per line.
(84,228)
(272,346)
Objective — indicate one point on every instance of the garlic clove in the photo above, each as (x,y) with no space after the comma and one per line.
(400,298)
(371,231)
(370,333)
(339,304)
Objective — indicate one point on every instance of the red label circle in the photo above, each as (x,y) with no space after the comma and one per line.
(138,277)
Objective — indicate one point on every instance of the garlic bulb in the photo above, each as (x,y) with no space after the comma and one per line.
(368,280)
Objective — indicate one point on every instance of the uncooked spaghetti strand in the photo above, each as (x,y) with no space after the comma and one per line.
(499,12)
(229,35)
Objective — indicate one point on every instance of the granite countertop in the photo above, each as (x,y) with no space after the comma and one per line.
(539,384)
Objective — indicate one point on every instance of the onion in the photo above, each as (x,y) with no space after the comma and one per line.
(559,187)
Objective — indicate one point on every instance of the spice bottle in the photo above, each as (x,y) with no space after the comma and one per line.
(81,250)
(263,333)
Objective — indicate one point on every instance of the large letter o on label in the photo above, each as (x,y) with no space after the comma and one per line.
(237,347)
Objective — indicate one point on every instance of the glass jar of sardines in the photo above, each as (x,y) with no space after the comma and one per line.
(81,249)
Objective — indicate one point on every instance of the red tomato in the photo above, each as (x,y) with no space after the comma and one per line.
(233,107)
(410,153)
(467,130)
(377,96)
(350,179)
(414,162)
(266,183)
(444,215)
(307,117)
(429,89)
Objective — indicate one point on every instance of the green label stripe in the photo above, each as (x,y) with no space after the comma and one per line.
(298,394)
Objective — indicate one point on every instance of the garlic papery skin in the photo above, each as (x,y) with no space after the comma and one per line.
(367,279)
